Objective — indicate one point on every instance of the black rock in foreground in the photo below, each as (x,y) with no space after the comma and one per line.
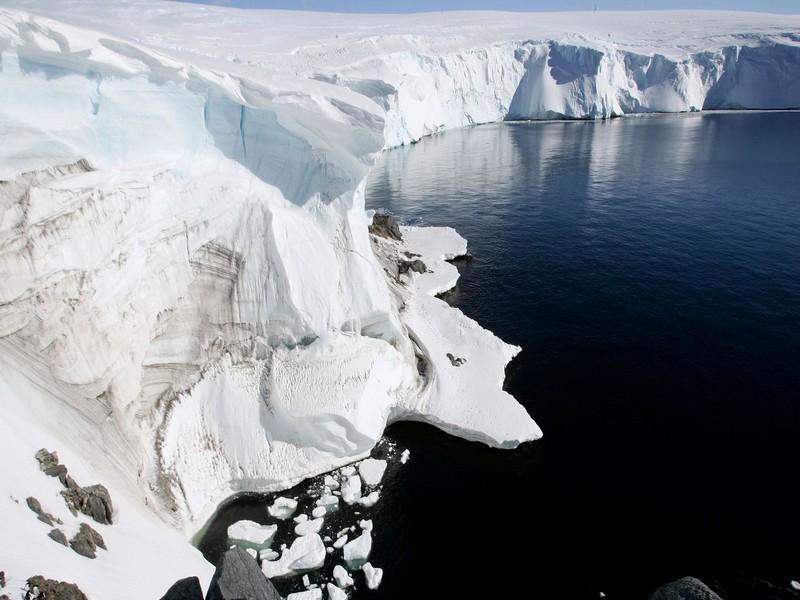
(238,577)
(185,589)
(40,588)
(685,588)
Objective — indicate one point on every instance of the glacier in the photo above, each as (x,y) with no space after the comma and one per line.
(192,305)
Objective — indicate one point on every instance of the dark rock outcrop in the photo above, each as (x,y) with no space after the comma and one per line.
(43,516)
(385,226)
(2,579)
(416,265)
(94,501)
(456,361)
(87,541)
(238,577)
(58,536)
(685,588)
(40,588)
(185,589)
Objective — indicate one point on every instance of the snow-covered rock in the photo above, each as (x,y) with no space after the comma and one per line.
(357,551)
(282,508)
(371,471)
(306,553)
(373,576)
(250,533)
(342,577)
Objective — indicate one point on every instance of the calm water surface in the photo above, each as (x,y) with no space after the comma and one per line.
(650,269)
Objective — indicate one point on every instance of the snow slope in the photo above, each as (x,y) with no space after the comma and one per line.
(191,304)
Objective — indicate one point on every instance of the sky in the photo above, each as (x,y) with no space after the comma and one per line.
(385,6)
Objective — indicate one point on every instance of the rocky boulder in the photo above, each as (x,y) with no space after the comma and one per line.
(185,589)
(685,588)
(385,226)
(94,501)
(87,541)
(40,588)
(238,577)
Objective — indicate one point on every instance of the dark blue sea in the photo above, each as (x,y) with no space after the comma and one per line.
(650,269)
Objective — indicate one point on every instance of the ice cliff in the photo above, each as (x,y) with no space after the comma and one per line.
(191,304)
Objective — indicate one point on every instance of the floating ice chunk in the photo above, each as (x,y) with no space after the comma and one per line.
(327,539)
(329,502)
(374,576)
(319,511)
(340,541)
(268,554)
(336,593)
(795,585)
(306,553)
(331,482)
(348,470)
(366,524)
(301,518)
(405,456)
(329,550)
(306,581)
(342,577)
(369,500)
(283,508)
(251,534)
(371,471)
(309,527)
(351,489)
(315,594)
(357,552)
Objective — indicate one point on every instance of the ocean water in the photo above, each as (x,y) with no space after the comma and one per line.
(650,269)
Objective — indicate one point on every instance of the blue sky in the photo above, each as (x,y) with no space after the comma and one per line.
(375,6)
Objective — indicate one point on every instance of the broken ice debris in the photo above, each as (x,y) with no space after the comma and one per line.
(340,542)
(373,576)
(370,500)
(357,552)
(251,534)
(329,503)
(268,554)
(371,471)
(342,577)
(308,527)
(351,489)
(336,593)
(315,594)
(331,482)
(283,508)
(405,456)
(306,553)
(319,511)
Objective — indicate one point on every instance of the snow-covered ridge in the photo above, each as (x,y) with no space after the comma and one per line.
(191,304)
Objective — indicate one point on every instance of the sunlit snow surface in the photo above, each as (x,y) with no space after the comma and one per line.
(191,305)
